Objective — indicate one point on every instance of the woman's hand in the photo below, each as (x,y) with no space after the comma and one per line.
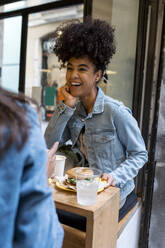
(109,179)
(51,159)
(69,100)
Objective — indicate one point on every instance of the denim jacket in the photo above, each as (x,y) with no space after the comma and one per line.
(113,139)
(27,211)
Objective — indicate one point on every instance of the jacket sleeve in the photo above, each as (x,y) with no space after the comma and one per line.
(57,129)
(28,215)
(10,184)
(36,222)
(132,141)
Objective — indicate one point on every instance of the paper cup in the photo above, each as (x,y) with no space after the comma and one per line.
(59,166)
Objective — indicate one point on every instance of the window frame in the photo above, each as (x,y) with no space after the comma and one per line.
(25,13)
(3,2)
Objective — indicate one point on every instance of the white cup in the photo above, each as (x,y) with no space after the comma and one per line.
(59,166)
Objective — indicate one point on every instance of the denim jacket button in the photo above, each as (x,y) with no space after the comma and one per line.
(61,108)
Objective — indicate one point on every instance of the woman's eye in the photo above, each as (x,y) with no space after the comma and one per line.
(69,68)
(82,69)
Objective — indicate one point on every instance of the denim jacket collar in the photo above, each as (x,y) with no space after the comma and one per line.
(98,106)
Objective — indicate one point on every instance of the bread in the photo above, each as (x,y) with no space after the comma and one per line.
(71,172)
(83,170)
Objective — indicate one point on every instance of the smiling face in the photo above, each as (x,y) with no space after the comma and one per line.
(81,77)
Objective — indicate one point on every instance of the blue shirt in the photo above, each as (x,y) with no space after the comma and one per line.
(113,139)
(27,212)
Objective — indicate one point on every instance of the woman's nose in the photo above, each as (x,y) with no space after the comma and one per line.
(74,74)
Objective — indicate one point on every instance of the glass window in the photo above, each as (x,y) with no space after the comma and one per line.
(10,42)
(44,76)
(123,15)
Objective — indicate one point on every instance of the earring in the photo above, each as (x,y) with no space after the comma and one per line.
(105,77)
(105,80)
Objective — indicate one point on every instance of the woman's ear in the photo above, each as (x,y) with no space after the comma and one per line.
(98,75)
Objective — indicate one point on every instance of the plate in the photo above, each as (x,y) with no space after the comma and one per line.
(59,185)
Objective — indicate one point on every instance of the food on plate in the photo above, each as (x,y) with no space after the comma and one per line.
(68,182)
(72,175)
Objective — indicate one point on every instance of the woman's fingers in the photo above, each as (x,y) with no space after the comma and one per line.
(51,159)
(109,179)
(65,91)
(52,151)
(69,100)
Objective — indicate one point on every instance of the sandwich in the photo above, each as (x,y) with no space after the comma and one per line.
(83,173)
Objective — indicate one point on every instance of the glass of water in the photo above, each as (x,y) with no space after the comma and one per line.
(87,183)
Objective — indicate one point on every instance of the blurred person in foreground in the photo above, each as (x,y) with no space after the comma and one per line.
(27,211)
(102,128)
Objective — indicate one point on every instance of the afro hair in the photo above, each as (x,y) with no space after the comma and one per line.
(93,38)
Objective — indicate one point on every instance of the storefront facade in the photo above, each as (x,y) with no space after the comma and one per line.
(135,73)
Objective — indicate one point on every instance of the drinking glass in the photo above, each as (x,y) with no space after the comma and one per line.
(87,183)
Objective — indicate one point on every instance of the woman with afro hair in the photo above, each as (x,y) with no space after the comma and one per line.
(101,127)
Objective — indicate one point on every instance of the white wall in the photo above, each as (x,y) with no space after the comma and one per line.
(129,237)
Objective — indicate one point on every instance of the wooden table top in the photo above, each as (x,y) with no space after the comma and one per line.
(67,201)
